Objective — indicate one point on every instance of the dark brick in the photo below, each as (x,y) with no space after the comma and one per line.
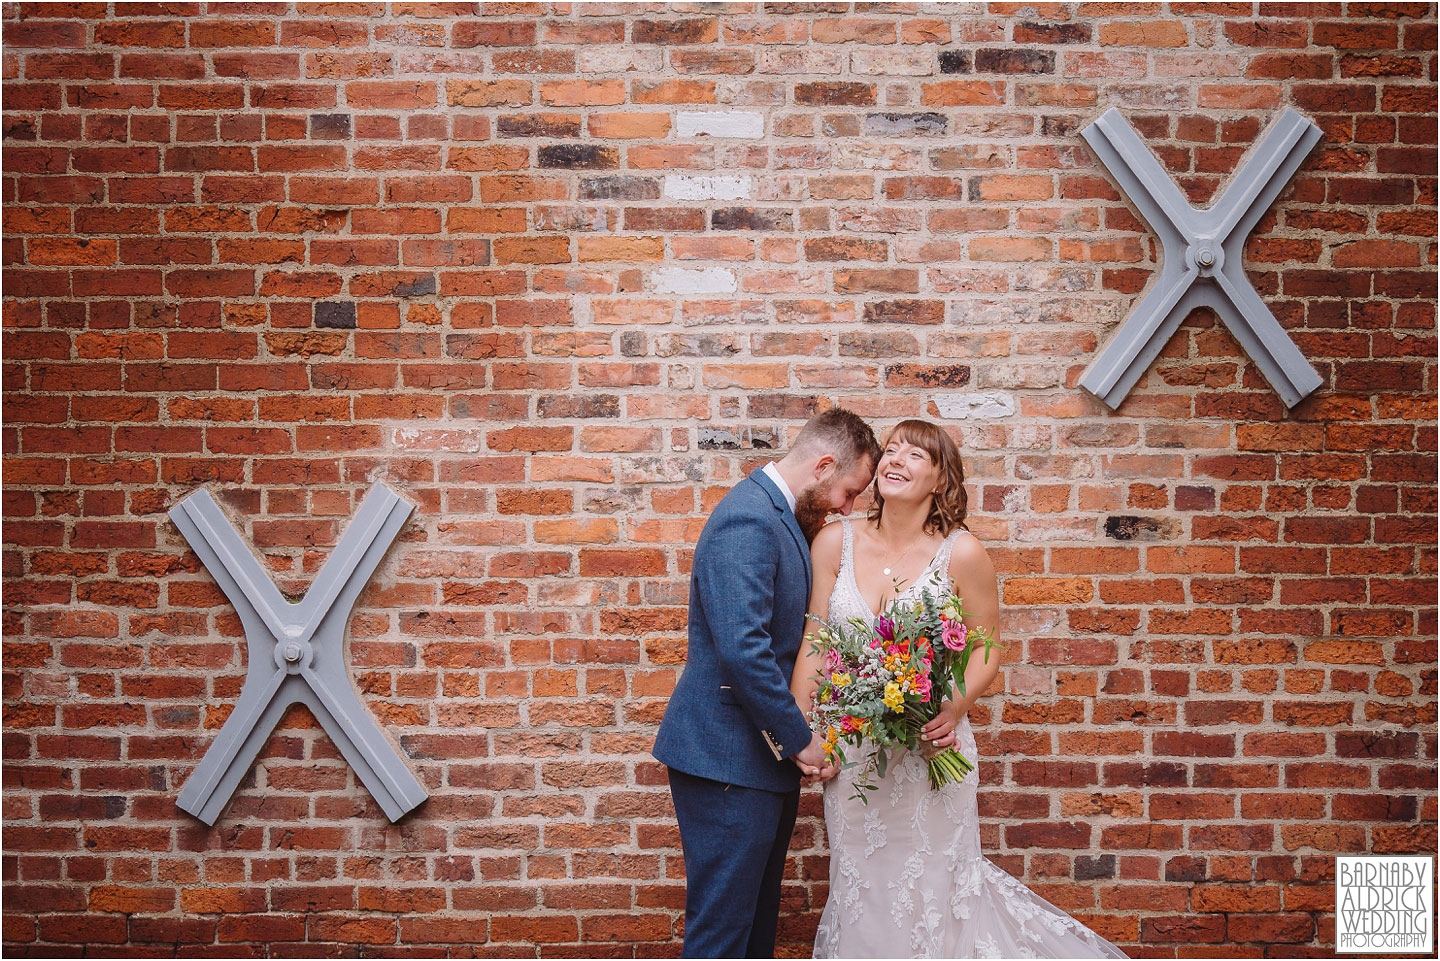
(1093,867)
(1185,869)
(1011,60)
(419,287)
(1062,125)
(335,313)
(1126,528)
(575,156)
(329,126)
(751,218)
(538,125)
(954,61)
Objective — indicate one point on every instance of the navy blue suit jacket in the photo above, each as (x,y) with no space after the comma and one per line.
(732,717)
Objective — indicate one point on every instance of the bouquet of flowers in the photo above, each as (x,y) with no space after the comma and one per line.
(882,682)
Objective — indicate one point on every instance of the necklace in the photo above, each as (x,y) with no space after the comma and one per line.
(901,557)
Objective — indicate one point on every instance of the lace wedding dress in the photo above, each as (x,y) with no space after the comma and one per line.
(906,873)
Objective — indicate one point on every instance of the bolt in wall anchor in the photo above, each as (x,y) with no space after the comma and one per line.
(1203,253)
(296,654)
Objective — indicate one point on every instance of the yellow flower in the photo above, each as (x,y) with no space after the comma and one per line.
(894,699)
(839,680)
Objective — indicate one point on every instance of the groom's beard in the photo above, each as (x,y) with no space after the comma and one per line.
(812,506)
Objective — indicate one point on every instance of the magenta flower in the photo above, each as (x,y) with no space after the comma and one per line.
(885,628)
(953,635)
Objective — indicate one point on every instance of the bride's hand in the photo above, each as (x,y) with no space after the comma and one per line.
(939,734)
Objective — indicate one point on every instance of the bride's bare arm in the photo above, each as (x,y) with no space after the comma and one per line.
(975,584)
(825,566)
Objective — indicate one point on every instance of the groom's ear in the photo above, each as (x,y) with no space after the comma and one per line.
(824,466)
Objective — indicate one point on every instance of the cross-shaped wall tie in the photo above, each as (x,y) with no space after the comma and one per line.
(1203,251)
(296,654)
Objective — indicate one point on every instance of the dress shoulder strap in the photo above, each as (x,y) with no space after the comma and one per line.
(942,556)
(847,544)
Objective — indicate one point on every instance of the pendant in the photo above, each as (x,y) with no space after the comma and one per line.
(887,572)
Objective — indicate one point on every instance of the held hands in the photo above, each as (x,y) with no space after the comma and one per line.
(815,766)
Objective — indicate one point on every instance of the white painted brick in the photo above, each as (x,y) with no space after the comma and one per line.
(603,59)
(719,123)
(706,280)
(893,63)
(706,188)
(976,406)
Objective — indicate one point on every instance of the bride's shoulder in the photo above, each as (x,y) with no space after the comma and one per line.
(828,540)
(966,551)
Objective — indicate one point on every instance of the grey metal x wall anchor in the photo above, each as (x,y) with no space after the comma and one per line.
(296,654)
(1203,251)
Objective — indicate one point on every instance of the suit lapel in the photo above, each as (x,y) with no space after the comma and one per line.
(791,524)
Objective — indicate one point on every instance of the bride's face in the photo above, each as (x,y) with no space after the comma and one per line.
(906,473)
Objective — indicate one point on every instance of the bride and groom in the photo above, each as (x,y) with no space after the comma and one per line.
(906,872)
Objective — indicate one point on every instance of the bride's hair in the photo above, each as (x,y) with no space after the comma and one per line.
(947,511)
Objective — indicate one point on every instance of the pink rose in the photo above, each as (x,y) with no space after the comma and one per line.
(953,635)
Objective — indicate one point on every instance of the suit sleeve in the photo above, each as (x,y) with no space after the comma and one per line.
(735,578)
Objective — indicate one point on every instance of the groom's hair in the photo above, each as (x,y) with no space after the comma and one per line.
(841,434)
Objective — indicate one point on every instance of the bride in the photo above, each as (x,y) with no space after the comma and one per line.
(906,871)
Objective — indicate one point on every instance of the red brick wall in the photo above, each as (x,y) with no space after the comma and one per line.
(462,249)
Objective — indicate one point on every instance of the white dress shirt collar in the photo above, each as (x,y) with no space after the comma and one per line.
(773,472)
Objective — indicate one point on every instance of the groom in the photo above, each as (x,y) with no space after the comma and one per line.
(734,741)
